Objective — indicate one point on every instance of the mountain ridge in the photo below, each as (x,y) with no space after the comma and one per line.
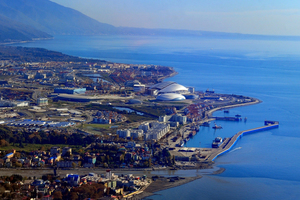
(52,18)
(12,31)
(26,20)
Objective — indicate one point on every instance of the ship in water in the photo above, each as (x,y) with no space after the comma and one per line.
(217,142)
(217,126)
(238,115)
(226,111)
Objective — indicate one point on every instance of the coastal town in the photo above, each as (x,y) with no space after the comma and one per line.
(90,114)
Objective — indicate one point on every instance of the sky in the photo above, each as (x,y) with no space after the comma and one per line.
(267,17)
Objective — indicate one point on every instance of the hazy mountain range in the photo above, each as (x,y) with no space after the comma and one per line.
(24,20)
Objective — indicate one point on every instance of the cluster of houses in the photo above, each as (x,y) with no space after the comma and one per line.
(129,155)
(108,117)
(113,185)
(62,158)
(194,112)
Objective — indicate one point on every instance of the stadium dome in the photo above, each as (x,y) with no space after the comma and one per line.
(191,96)
(169,87)
(170,97)
(174,88)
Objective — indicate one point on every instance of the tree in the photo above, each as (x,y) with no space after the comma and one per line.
(149,162)
(73,164)
(57,195)
(3,143)
(18,164)
(17,155)
(42,148)
(173,160)
(73,196)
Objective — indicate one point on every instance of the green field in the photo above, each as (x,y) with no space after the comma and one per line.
(96,126)
(34,147)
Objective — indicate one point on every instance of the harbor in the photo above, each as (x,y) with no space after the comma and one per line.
(201,157)
(230,142)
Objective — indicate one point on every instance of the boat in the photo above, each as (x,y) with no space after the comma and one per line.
(245,119)
(226,111)
(180,144)
(205,124)
(216,126)
(238,115)
(217,142)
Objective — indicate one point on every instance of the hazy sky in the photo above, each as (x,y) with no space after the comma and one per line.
(272,17)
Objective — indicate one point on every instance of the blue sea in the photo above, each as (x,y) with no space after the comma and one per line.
(264,165)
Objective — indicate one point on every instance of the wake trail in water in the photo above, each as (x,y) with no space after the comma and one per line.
(235,149)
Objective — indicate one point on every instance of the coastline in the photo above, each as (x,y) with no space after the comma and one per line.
(160,185)
(164,184)
(257,101)
(26,41)
(174,73)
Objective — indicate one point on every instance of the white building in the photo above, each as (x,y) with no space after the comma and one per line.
(7,103)
(42,101)
(136,133)
(157,131)
(144,126)
(173,118)
(123,133)
(139,88)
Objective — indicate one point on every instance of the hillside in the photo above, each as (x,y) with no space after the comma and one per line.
(52,18)
(24,54)
(12,31)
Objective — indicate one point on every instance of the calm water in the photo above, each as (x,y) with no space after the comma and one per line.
(264,165)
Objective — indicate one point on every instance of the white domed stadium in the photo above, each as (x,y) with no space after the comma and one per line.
(169,87)
(170,97)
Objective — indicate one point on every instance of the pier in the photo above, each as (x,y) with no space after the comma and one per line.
(227,118)
(230,142)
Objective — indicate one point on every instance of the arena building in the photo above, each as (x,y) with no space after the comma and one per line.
(170,97)
(169,87)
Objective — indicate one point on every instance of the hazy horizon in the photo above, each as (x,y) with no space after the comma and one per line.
(270,17)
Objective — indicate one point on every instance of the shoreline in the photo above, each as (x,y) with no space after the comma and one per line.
(26,41)
(163,184)
(257,101)
(158,186)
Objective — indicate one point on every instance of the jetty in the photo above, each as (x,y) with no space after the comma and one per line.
(230,142)
(226,118)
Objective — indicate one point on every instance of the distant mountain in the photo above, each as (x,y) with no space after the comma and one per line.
(29,19)
(24,54)
(12,31)
(52,18)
